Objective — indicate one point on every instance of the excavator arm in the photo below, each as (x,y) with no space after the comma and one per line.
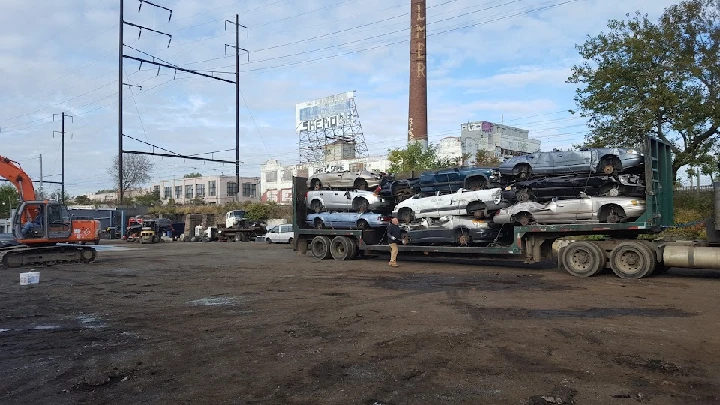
(11,171)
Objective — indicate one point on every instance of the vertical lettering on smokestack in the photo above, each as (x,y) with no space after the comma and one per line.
(417,111)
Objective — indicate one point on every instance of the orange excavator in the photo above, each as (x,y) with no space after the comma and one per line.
(40,225)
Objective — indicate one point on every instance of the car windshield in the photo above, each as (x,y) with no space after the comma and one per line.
(238,214)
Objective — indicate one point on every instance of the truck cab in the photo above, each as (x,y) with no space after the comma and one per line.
(234,218)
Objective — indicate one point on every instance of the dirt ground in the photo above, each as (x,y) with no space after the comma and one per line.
(246,323)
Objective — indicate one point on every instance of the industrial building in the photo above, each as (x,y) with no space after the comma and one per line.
(211,189)
(502,140)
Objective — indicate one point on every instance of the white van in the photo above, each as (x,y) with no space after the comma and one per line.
(280,234)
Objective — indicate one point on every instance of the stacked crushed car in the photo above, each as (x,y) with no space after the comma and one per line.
(478,206)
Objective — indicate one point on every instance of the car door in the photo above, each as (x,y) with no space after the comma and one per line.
(286,232)
(574,209)
(577,161)
(451,204)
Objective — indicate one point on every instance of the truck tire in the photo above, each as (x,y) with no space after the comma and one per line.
(583,259)
(320,247)
(632,259)
(340,248)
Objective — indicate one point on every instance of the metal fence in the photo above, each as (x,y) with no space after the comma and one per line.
(695,188)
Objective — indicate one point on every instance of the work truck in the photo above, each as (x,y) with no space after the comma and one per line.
(628,248)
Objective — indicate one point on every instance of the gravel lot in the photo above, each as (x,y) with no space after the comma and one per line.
(246,323)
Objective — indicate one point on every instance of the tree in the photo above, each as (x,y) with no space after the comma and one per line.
(9,199)
(149,199)
(192,175)
(58,196)
(136,170)
(661,79)
(484,158)
(415,158)
(83,200)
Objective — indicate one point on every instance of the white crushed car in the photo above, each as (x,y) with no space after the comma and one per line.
(463,202)
(586,209)
(339,200)
(335,177)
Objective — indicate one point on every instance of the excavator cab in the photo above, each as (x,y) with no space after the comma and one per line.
(42,222)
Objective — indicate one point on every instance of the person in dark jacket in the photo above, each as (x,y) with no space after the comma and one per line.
(394,234)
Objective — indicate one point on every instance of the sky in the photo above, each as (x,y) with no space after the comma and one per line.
(504,61)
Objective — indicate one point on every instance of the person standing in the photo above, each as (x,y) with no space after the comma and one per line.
(394,234)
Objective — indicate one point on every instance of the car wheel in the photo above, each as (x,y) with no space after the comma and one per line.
(360,184)
(315,184)
(524,218)
(363,224)
(268,240)
(610,165)
(316,206)
(522,171)
(476,209)
(523,195)
(238,237)
(319,223)
(405,215)
(612,214)
(290,241)
(462,237)
(361,205)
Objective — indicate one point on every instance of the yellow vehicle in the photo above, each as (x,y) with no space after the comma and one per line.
(148,233)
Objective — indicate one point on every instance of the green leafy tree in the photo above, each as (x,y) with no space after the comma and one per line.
(149,199)
(415,158)
(663,79)
(9,199)
(192,175)
(258,211)
(58,196)
(484,158)
(83,200)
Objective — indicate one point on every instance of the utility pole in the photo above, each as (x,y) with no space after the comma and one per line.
(120,106)
(62,154)
(42,193)
(237,100)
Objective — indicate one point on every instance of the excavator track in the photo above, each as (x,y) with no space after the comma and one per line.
(18,256)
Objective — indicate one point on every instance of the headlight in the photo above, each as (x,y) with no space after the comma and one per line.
(632,152)
(497,197)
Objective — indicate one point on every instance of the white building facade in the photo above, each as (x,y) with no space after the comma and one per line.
(210,189)
(499,139)
(450,148)
(276,179)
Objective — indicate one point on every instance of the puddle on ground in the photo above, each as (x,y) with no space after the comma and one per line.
(217,301)
(484,282)
(90,321)
(481,313)
(46,327)
(4,330)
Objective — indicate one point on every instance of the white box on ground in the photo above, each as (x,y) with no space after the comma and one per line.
(31,277)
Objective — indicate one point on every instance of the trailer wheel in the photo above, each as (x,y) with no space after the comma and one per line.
(583,259)
(244,237)
(320,247)
(353,248)
(341,248)
(632,259)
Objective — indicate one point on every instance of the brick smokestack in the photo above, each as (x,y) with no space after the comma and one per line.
(417,112)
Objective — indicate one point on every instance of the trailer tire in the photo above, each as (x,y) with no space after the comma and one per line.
(583,259)
(320,247)
(632,259)
(341,248)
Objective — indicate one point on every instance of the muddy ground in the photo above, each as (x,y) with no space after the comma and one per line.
(246,323)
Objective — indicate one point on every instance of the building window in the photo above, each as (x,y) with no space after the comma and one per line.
(156,189)
(356,167)
(271,177)
(231,189)
(178,192)
(189,191)
(286,176)
(168,193)
(249,190)
(199,190)
(212,188)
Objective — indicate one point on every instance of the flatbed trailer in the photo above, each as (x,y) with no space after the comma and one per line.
(621,249)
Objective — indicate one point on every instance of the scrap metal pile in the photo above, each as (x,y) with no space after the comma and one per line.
(479,206)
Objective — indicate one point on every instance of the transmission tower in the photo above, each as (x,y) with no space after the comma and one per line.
(343,128)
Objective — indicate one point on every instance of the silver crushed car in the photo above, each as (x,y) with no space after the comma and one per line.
(463,202)
(346,179)
(586,209)
(339,200)
(347,220)
(609,161)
